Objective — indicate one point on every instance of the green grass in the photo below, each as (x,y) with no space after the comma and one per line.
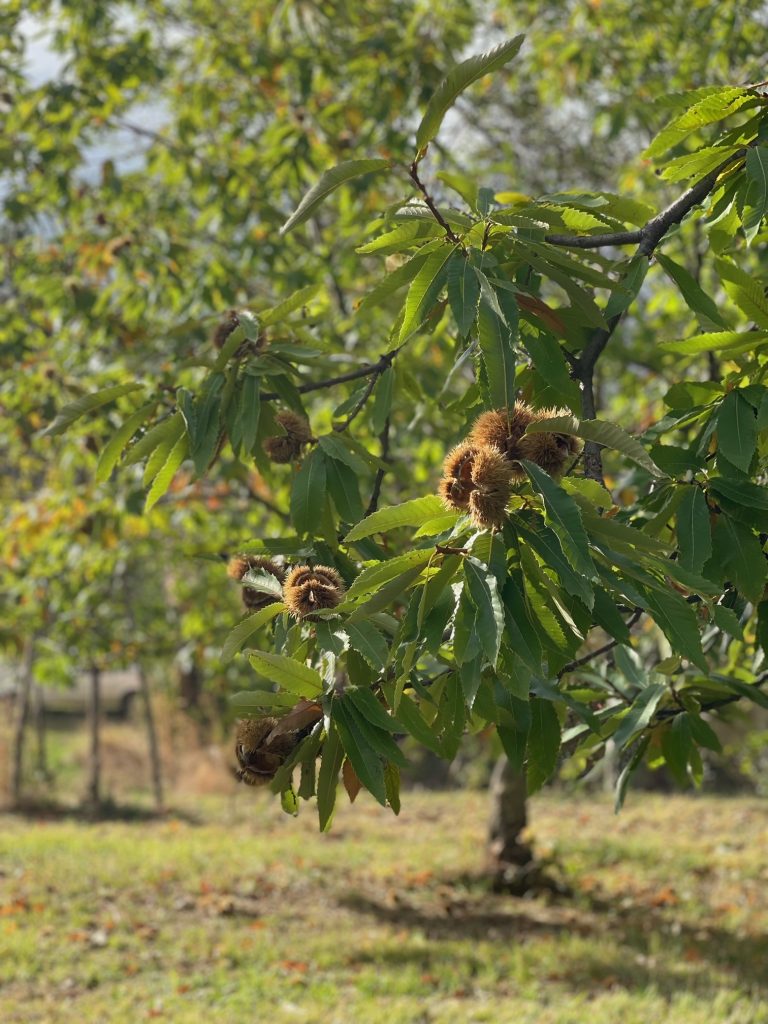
(251,915)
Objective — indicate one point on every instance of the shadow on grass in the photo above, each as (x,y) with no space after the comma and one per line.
(108,810)
(647,946)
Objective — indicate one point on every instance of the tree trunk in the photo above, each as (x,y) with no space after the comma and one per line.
(21,716)
(509,857)
(93,790)
(511,861)
(41,752)
(154,748)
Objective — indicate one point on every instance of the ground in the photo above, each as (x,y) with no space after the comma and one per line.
(230,911)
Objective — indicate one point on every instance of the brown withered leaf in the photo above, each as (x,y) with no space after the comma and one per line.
(351,782)
(542,311)
(305,713)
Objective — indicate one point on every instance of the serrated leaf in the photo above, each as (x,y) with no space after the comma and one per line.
(457,80)
(201,415)
(409,513)
(564,518)
(746,291)
(112,450)
(167,472)
(756,198)
(373,577)
(547,545)
(368,641)
(367,762)
(402,237)
(276,314)
(254,702)
(161,434)
(328,777)
(308,493)
(727,620)
(677,620)
(622,783)
(543,743)
(249,408)
(344,490)
(737,430)
(409,715)
(497,346)
(748,690)
(705,110)
(640,714)
(734,342)
(378,738)
(590,490)
(607,434)
(397,279)
(737,556)
(628,288)
(698,164)
(244,630)
(424,289)
(549,361)
(489,620)
(693,294)
(463,294)
(328,183)
(382,400)
(291,675)
(87,403)
(742,492)
(693,533)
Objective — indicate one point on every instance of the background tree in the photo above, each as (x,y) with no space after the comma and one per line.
(551,303)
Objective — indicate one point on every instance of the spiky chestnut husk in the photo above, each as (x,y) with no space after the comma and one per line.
(287,447)
(239,565)
(550,451)
(308,590)
(491,475)
(477,478)
(225,328)
(502,429)
(260,756)
(456,484)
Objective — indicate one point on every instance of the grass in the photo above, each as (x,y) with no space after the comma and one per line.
(249,914)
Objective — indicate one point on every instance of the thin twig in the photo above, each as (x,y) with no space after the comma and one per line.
(364,371)
(413,171)
(591,655)
(373,504)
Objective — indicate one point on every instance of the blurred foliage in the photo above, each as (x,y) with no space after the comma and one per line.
(152,154)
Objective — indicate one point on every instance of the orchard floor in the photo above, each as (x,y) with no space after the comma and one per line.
(247,915)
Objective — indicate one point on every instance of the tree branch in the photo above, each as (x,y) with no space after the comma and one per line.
(596,241)
(648,237)
(651,233)
(383,363)
(665,714)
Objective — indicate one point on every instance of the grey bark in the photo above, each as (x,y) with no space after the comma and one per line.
(21,717)
(154,748)
(38,719)
(93,789)
(508,854)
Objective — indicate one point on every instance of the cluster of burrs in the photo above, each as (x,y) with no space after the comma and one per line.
(303,589)
(479,473)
